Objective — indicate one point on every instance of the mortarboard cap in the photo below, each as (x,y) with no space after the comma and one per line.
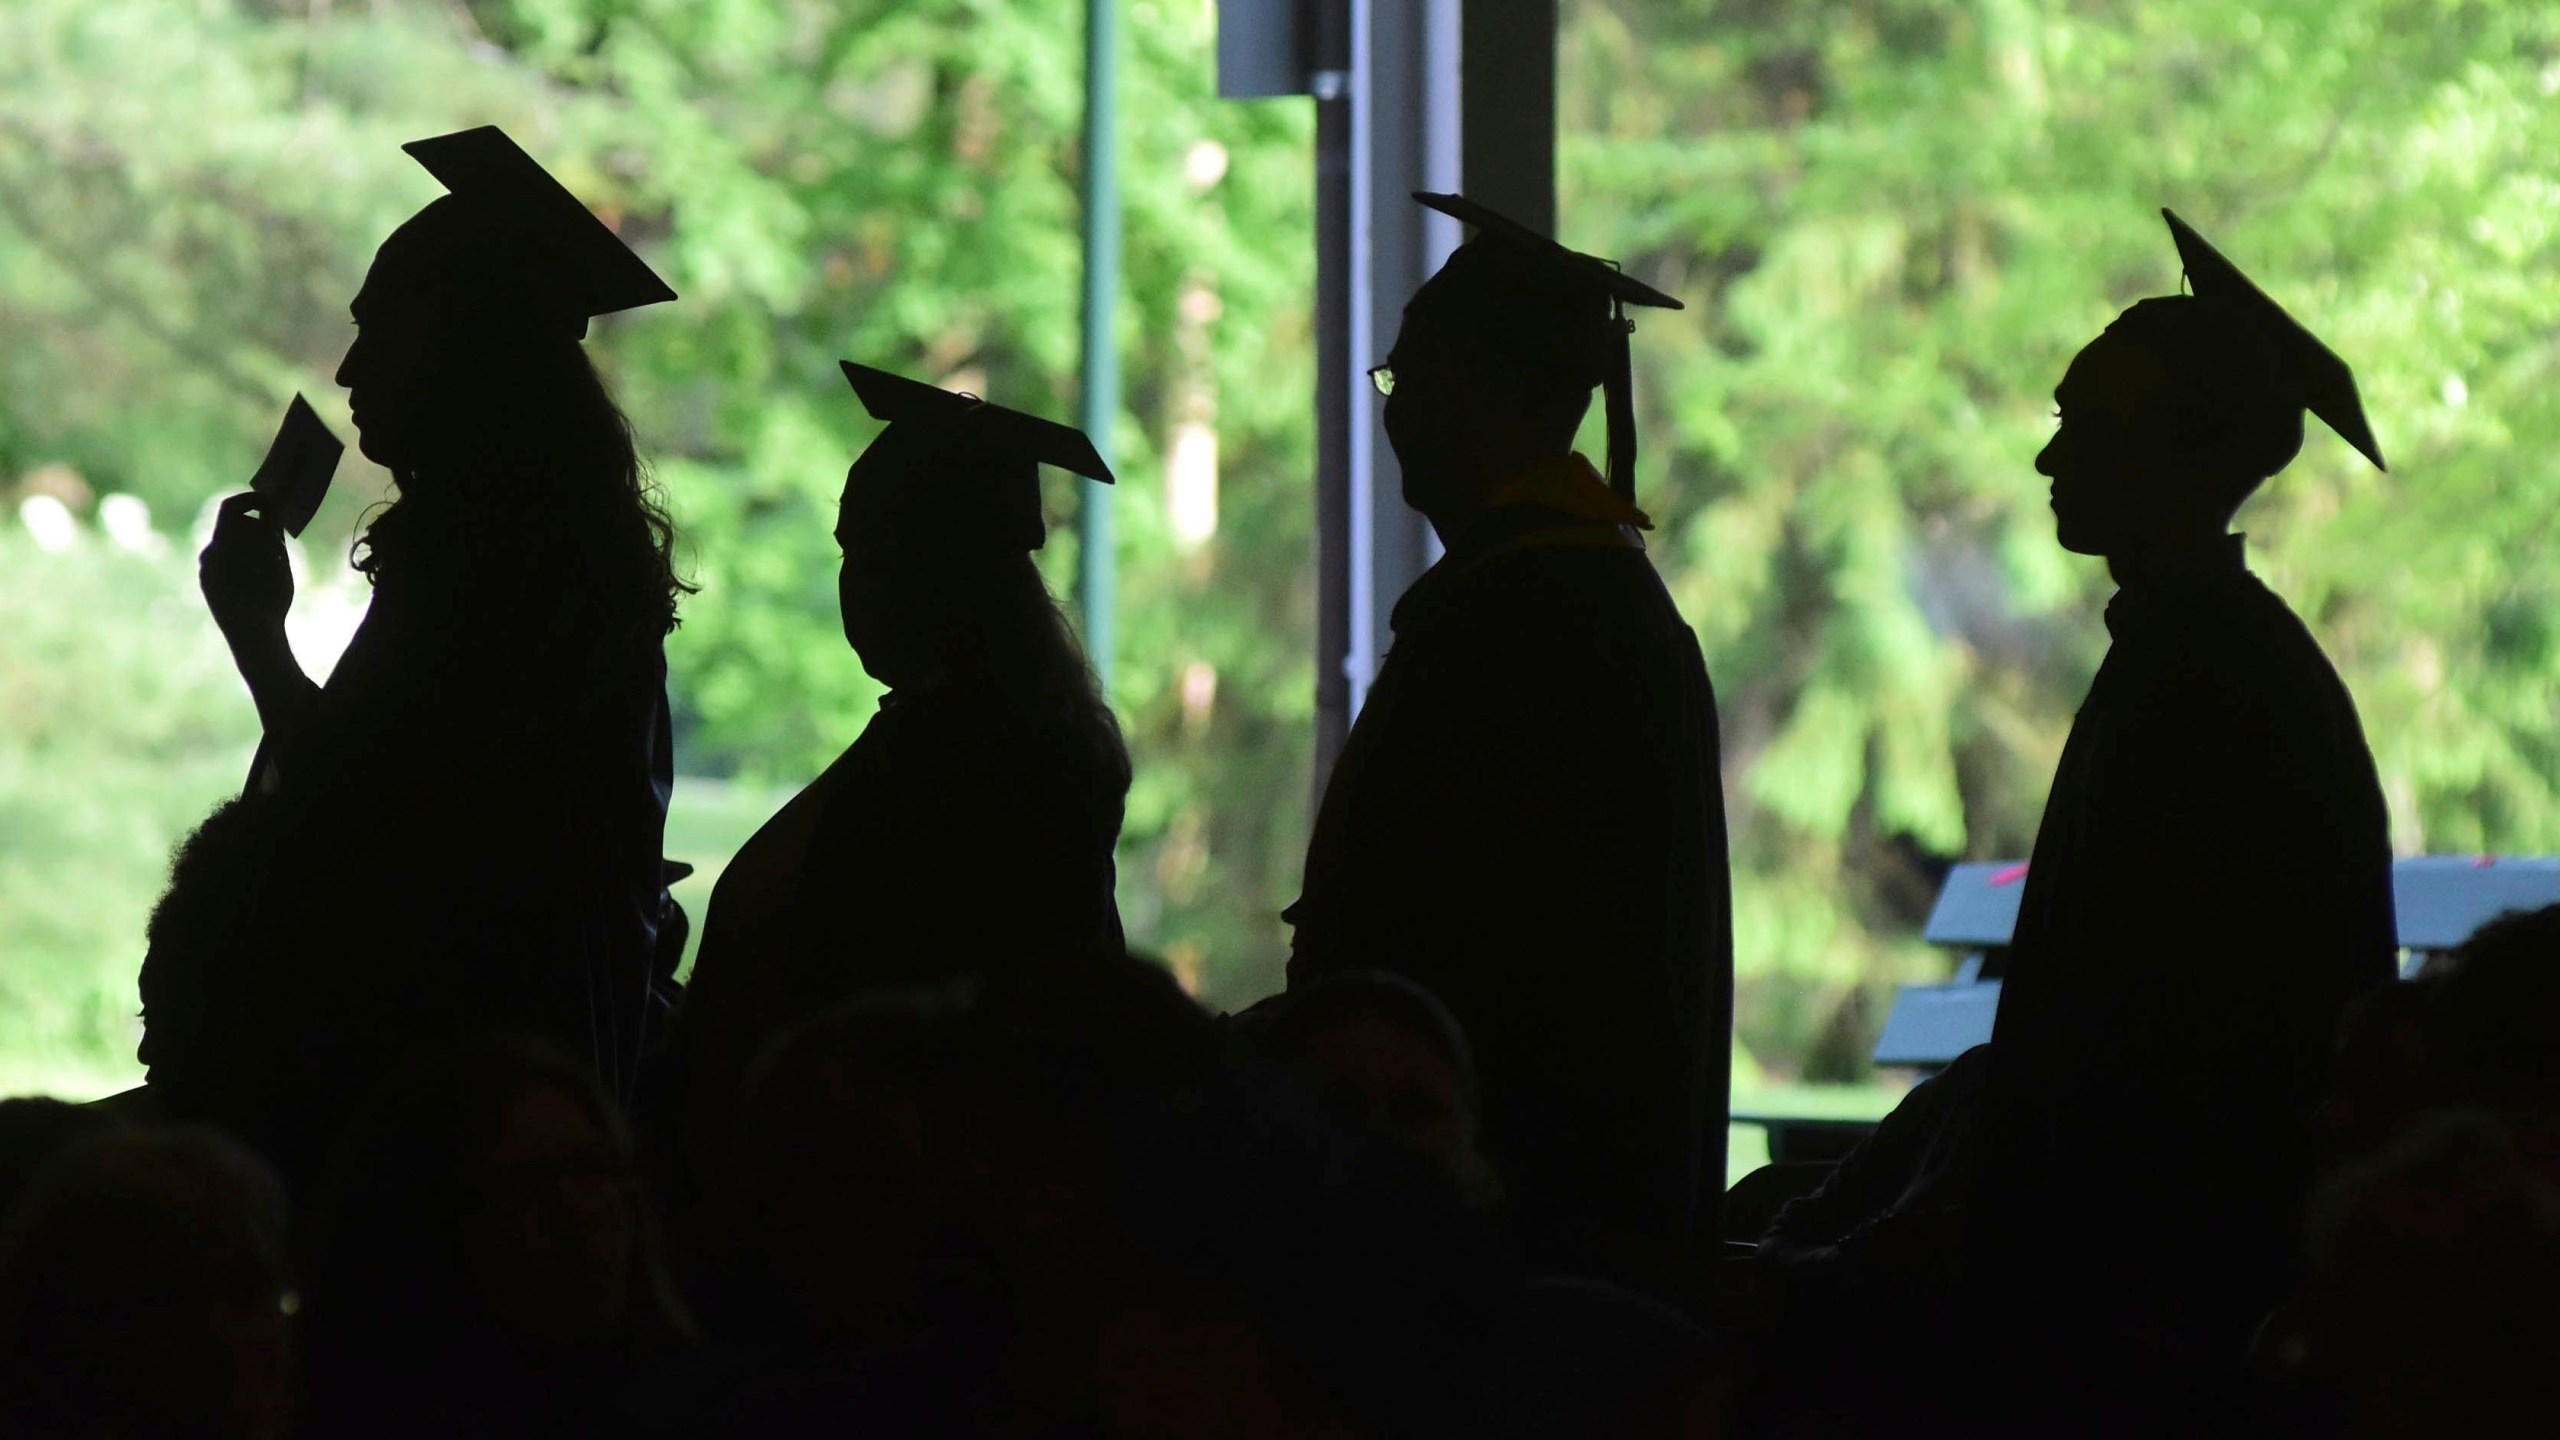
(1543,263)
(2309,372)
(1572,267)
(995,450)
(572,263)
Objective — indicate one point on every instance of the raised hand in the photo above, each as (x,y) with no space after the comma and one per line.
(246,581)
(248,585)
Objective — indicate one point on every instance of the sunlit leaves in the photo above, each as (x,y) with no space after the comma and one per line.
(193,188)
(1895,222)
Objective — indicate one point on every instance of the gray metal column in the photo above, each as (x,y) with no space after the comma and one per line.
(1406,89)
(1097,545)
(1444,96)
(1339,403)
(1410,95)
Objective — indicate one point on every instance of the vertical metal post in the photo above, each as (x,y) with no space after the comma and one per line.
(1405,61)
(1097,549)
(1337,379)
(1403,89)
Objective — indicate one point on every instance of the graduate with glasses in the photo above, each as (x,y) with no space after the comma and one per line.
(1527,818)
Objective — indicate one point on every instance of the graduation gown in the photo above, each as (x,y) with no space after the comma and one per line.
(1527,819)
(461,836)
(2210,885)
(954,836)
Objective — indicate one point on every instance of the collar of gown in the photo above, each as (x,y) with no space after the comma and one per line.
(1569,485)
(1556,502)
(939,678)
(2168,576)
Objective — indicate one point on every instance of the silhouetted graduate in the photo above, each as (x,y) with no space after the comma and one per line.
(2212,880)
(971,825)
(1527,817)
(460,830)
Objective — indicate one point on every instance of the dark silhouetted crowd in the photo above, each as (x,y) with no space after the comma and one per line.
(436,1142)
(1071,1203)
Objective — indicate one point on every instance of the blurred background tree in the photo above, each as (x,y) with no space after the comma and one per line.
(190,193)
(1894,221)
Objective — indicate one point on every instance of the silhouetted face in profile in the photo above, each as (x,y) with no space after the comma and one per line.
(921,545)
(450,338)
(2164,429)
(1494,365)
(873,591)
(400,351)
(2106,459)
(1432,420)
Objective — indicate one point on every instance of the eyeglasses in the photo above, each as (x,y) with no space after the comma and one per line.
(1384,377)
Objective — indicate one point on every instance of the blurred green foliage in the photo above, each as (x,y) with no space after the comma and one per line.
(1894,221)
(190,191)
(121,724)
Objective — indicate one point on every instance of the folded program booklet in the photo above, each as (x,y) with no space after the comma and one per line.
(295,476)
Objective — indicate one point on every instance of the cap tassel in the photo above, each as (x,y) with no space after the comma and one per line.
(1618,401)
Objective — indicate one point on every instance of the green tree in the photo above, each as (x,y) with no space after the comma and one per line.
(1895,222)
(1894,219)
(190,191)
(114,738)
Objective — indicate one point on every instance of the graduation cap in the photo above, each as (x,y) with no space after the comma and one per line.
(2302,370)
(556,255)
(1575,280)
(988,477)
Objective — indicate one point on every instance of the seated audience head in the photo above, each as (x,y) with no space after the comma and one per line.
(833,1209)
(143,1292)
(34,1129)
(1229,1231)
(492,1202)
(2488,1041)
(2183,407)
(210,877)
(1329,1287)
(1179,1247)
(2435,1299)
(1384,1056)
(1496,361)
(1060,1060)
(2380,1069)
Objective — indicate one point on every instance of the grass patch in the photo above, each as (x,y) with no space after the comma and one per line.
(1747,1146)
